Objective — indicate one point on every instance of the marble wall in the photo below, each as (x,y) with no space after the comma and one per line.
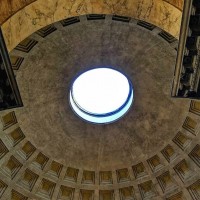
(176,3)
(8,8)
(41,13)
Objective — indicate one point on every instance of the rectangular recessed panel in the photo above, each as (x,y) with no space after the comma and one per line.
(69,21)
(146,25)
(195,154)
(123,175)
(190,125)
(166,182)
(3,187)
(182,140)
(139,170)
(28,180)
(86,194)
(169,153)
(121,18)
(15,195)
(11,167)
(16,136)
(166,36)
(55,169)
(8,120)
(66,193)
(105,177)
(88,177)
(184,171)
(27,150)
(95,16)
(106,195)
(40,161)
(71,174)
(154,163)
(178,196)
(3,149)
(16,62)
(46,189)
(46,31)
(127,193)
(195,107)
(26,45)
(194,190)
(147,190)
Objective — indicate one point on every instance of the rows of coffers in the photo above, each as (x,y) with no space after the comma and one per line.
(172,173)
(24,166)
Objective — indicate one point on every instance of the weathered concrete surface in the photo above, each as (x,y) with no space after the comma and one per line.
(44,82)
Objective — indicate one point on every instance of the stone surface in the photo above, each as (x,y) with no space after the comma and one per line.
(42,13)
(10,7)
(176,3)
(44,80)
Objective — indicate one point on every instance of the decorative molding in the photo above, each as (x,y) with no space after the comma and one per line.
(169,153)
(88,177)
(187,70)
(66,193)
(139,170)
(70,21)
(194,190)
(105,177)
(95,16)
(71,174)
(26,45)
(8,120)
(46,30)
(166,182)
(28,180)
(166,36)
(16,62)
(121,18)
(195,154)
(123,175)
(146,25)
(86,195)
(147,190)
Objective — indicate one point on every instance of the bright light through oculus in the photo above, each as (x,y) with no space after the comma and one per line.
(101,95)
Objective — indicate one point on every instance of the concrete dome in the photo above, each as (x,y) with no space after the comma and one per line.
(47,152)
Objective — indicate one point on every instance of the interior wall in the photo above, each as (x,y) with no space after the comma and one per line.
(42,13)
(10,7)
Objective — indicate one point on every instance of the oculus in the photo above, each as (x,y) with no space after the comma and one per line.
(101,95)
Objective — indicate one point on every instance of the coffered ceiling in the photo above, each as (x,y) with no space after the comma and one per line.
(47,152)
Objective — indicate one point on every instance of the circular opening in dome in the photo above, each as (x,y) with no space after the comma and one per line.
(101,95)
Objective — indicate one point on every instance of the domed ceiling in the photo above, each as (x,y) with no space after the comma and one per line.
(47,152)
(45,77)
